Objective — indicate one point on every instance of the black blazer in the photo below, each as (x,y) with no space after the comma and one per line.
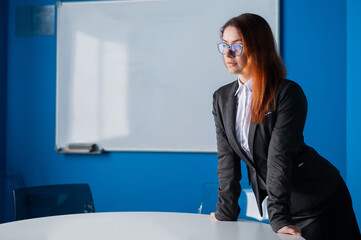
(298,179)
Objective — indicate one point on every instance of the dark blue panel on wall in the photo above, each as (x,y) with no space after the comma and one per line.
(3,80)
(34,20)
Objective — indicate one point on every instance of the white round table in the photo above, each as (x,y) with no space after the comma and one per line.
(136,226)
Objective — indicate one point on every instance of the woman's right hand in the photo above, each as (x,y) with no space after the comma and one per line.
(290,229)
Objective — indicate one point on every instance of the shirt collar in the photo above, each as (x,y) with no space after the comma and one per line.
(248,85)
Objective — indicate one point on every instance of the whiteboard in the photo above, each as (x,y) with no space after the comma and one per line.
(140,75)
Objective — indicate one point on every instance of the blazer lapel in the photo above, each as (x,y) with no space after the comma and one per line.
(232,125)
(251,134)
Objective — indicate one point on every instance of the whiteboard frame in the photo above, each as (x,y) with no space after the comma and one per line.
(61,149)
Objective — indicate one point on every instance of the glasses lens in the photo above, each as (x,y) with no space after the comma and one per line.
(237,49)
(222,47)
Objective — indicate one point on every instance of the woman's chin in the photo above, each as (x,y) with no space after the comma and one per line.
(231,71)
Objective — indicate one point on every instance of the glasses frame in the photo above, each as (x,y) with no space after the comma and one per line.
(230,48)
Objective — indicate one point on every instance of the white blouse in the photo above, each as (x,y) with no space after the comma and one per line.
(243,119)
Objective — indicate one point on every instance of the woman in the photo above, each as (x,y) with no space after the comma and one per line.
(260,119)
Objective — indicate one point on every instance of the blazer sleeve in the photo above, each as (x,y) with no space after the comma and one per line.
(286,141)
(229,171)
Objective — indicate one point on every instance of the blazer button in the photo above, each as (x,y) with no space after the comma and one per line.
(254,169)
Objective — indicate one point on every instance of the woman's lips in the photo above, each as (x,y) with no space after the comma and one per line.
(231,64)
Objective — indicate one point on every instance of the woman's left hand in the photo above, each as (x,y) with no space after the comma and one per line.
(290,229)
(213,216)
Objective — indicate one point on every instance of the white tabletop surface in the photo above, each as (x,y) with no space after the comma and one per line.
(136,225)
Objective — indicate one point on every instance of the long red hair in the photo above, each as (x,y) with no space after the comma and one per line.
(267,67)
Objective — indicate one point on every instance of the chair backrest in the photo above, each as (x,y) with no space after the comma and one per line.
(250,209)
(246,201)
(42,201)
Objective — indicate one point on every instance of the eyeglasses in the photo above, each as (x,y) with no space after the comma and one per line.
(236,49)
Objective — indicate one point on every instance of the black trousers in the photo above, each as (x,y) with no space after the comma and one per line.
(335,219)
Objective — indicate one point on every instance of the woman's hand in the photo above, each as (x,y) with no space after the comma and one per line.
(290,229)
(213,216)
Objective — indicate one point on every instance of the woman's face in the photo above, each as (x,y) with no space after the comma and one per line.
(235,65)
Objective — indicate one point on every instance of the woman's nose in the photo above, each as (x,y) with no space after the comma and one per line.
(229,53)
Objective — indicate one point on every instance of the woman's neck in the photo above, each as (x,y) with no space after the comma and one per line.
(243,79)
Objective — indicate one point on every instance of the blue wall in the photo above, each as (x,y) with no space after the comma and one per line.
(315,55)
(3,80)
(314,49)
(354,102)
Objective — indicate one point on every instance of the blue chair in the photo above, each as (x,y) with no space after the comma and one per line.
(52,200)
